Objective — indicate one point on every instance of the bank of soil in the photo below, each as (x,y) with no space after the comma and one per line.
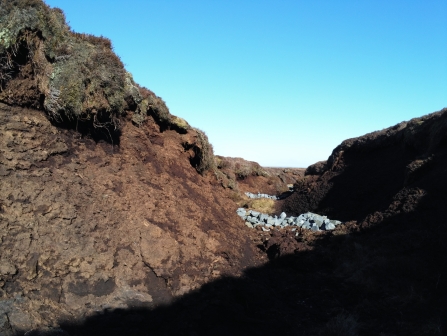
(109,240)
(87,226)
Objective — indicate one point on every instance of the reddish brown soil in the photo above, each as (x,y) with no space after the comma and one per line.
(116,233)
(88,225)
(131,240)
(275,183)
(242,175)
(388,172)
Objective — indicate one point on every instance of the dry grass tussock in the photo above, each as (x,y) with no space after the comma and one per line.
(264,205)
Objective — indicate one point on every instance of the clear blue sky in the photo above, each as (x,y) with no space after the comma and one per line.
(279,82)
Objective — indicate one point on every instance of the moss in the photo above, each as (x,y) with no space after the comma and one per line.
(72,96)
(140,115)
(143,106)
(180,123)
(132,93)
(138,119)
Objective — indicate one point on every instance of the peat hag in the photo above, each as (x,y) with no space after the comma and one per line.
(116,217)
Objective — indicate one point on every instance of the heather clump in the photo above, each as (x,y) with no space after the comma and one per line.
(204,158)
(76,77)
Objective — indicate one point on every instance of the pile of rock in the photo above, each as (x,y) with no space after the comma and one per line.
(258,195)
(307,220)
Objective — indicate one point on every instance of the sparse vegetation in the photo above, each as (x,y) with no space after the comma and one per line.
(159,111)
(274,181)
(204,153)
(240,167)
(79,78)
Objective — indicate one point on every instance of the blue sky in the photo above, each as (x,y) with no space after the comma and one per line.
(279,82)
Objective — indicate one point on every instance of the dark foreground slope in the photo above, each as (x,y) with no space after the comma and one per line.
(102,240)
(382,273)
(380,175)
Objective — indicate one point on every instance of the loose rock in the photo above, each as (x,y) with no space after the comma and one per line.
(308,220)
(258,195)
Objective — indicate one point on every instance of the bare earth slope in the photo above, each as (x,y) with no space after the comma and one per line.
(243,175)
(382,273)
(113,219)
(88,226)
(100,239)
(389,172)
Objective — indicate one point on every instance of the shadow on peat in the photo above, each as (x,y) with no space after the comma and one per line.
(388,279)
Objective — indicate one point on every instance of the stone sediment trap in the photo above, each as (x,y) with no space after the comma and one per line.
(309,220)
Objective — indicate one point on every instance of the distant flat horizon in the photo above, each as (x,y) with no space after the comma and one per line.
(279,83)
